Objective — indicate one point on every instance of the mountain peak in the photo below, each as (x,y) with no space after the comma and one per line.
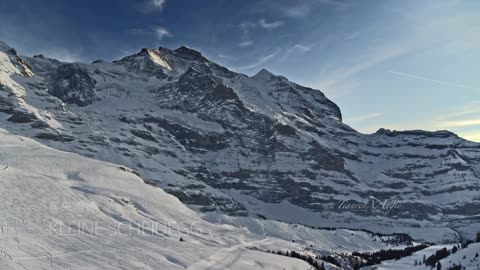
(189,52)
(263,73)
(4,47)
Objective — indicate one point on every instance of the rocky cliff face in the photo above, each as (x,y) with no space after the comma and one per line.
(260,145)
(72,84)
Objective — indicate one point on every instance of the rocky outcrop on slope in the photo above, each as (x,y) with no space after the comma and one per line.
(72,84)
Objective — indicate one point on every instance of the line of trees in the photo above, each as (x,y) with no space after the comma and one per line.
(372,258)
(454,267)
(396,238)
(309,259)
(330,259)
(434,259)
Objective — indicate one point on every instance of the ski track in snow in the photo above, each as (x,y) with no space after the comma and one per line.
(224,258)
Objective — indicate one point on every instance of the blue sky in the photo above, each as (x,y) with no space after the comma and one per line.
(387,63)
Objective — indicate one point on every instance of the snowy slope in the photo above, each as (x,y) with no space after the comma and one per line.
(60,210)
(246,146)
(467,257)
(57,207)
(408,262)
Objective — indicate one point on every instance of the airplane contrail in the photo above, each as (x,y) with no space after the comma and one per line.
(429,79)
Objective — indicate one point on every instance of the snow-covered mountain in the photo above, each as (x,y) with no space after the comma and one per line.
(258,146)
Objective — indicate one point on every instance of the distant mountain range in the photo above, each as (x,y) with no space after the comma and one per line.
(259,146)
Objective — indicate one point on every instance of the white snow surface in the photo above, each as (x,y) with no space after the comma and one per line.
(466,257)
(63,211)
(407,263)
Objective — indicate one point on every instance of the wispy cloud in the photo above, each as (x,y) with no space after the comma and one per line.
(225,57)
(162,32)
(336,3)
(158,32)
(464,121)
(363,117)
(157,5)
(467,110)
(246,27)
(63,55)
(375,57)
(433,34)
(352,35)
(429,79)
(151,6)
(245,43)
(305,8)
(297,11)
(465,116)
(262,60)
(461,123)
(300,48)
(270,25)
